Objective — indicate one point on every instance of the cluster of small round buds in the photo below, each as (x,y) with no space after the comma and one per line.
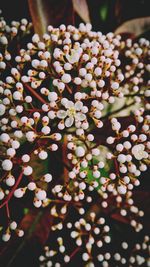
(99,63)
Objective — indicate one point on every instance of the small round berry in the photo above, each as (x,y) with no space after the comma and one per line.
(43,155)
(52,96)
(40,194)
(6,237)
(47,178)
(31,186)
(66,78)
(4,137)
(121,189)
(7,165)
(13,225)
(25,158)
(27,170)
(19,193)
(10,180)
(80,151)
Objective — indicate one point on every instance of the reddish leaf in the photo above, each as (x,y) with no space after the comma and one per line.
(46,12)
(37,224)
(134,27)
(81,8)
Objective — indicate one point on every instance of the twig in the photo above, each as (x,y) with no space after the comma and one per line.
(33,92)
(12,191)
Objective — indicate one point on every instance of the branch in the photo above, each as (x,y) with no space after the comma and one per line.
(34,93)
(12,191)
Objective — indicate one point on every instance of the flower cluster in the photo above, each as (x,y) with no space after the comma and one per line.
(140,253)
(87,234)
(129,151)
(93,246)
(123,208)
(136,70)
(55,96)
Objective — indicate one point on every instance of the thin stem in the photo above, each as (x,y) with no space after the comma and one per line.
(7,210)
(116,167)
(59,201)
(74,252)
(12,191)
(34,110)
(68,88)
(33,92)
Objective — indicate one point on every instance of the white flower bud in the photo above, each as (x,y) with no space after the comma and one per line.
(121,189)
(80,151)
(40,194)
(27,170)
(7,165)
(66,78)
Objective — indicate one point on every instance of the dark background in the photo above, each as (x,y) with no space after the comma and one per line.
(105,15)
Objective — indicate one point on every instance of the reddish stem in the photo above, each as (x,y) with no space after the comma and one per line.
(116,167)
(33,92)
(12,191)
(34,110)
(68,88)
(7,210)
(74,252)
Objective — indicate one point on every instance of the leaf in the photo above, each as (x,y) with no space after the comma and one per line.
(135,27)
(37,225)
(81,8)
(39,169)
(104,11)
(25,211)
(46,12)
(37,13)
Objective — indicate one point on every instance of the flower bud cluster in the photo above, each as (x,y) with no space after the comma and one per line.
(12,227)
(136,70)
(129,150)
(54,95)
(87,235)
